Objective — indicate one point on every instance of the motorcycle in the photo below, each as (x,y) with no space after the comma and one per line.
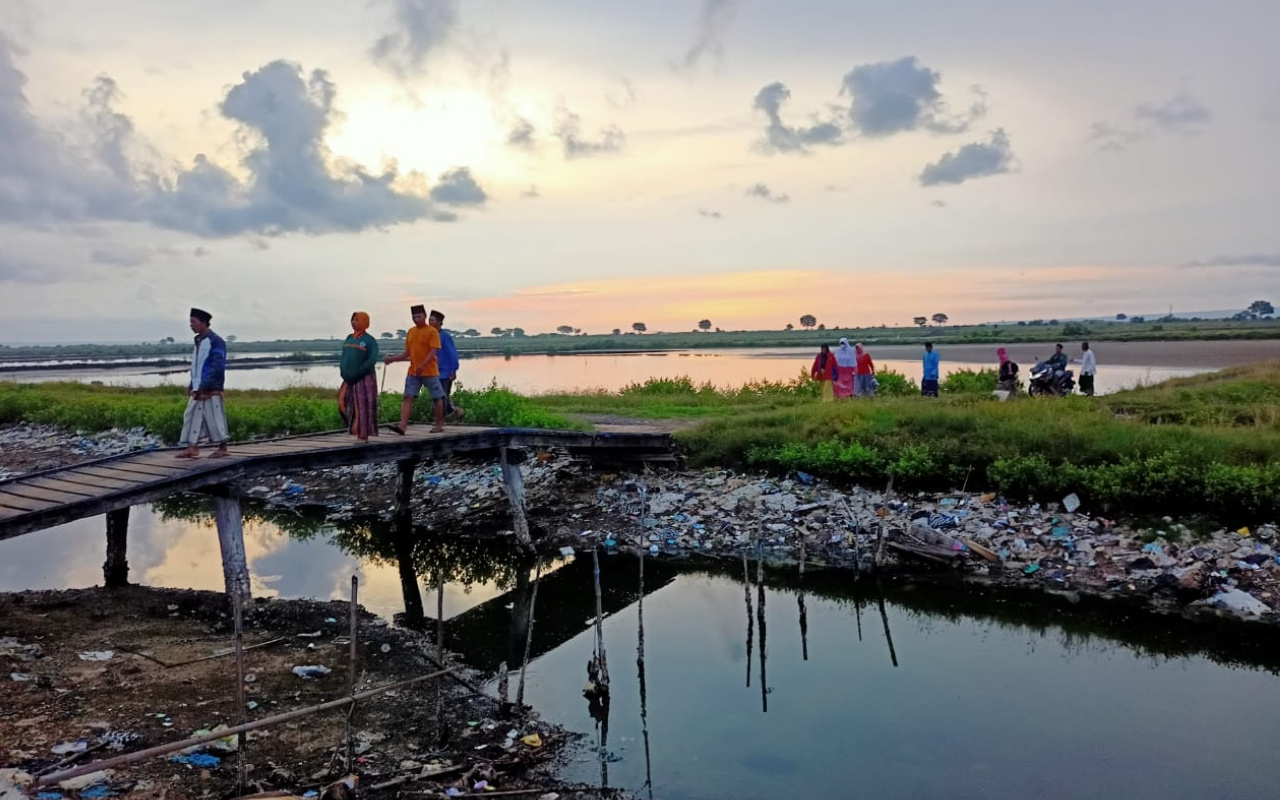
(1047,381)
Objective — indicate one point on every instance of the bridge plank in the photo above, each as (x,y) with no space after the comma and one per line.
(24,504)
(73,489)
(111,473)
(96,481)
(38,493)
(154,470)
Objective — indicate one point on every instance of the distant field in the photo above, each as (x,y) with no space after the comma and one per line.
(1174,331)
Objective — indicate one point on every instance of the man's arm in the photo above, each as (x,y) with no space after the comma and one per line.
(427,359)
(401,357)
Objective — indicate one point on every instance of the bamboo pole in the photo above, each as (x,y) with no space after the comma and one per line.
(746,596)
(241,739)
(353,658)
(884,617)
(195,741)
(602,660)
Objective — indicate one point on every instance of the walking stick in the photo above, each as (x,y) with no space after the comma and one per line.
(383,387)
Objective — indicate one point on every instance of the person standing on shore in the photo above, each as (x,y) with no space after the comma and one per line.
(824,372)
(205,415)
(358,366)
(846,370)
(1088,369)
(865,382)
(421,346)
(929,380)
(449,363)
(1007,378)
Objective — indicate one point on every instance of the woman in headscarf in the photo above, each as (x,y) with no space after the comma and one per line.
(865,381)
(358,397)
(1007,380)
(846,366)
(824,372)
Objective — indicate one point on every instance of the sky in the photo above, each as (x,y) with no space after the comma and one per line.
(282,163)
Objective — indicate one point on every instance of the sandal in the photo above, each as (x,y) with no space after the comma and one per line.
(397,430)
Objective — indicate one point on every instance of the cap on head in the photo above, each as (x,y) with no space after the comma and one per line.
(202,315)
(416,310)
(928,345)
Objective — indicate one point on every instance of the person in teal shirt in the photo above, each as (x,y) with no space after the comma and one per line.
(929,382)
(358,397)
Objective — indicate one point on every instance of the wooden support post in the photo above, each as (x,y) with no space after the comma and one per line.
(115,570)
(235,567)
(404,488)
(513,482)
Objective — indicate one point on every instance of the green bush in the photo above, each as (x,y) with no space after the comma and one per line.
(895,384)
(968,381)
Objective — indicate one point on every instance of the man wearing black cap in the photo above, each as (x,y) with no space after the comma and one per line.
(205,415)
(420,348)
(447,361)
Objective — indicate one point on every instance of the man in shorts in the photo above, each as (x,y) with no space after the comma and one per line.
(420,350)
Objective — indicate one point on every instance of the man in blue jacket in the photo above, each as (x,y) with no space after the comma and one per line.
(929,381)
(447,360)
(205,416)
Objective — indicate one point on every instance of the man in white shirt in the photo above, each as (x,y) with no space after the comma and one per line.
(1088,369)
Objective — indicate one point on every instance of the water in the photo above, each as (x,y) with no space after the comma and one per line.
(537,374)
(805,687)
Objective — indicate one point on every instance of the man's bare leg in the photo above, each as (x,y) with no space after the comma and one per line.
(406,408)
(438,409)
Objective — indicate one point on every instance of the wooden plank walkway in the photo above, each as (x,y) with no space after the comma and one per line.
(42,500)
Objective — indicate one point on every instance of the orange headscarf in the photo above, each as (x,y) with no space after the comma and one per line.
(360,322)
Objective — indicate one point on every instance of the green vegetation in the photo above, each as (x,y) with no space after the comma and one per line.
(249,413)
(1209,444)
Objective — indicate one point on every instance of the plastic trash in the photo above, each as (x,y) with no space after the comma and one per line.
(67,748)
(1031,569)
(1243,531)
(533,740)
(202,760)
(49,796)
(19,677)
(452,792)
(1071,502)
(653,550)
(311,671)
(1153,548)
(1237,601)
(96,792)
(611,542)
(386,648)
(804,478)
(566,551)
(97,655)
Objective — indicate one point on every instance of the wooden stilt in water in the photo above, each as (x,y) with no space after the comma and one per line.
(764,681)
(598,669)
(414,613)
(241,739)
(353,661)
(644,695)
(528,641)
(884,617)
(115,570)
(804,614)
(235,567)
(513,483)
(404,488)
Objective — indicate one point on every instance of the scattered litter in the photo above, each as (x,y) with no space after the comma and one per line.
(96,792)
(1070,503)
(118,740)
(533,740)
(1237,601)
(67,748)
(97,655)
(19,677)
(311,671)
(202,760)
(1031,569)
(386,648)
(566,551)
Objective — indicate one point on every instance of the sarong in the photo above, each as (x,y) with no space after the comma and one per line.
(826,392)
(843,385)
(204,418)
(362,407)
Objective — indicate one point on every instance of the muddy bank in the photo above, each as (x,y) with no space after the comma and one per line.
(90,674)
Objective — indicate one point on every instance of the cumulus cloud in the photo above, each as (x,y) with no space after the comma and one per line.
(1246,260)
(531,193)
(974,160)
(117,255)
(779,137)
(763,192)
(521,134)
(291,181)
(897,96)
(709,214)
(1181,114)
(457,188)
(714,19)
(568,129)
(418,28)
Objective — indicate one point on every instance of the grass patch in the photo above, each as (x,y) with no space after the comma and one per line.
(254,413)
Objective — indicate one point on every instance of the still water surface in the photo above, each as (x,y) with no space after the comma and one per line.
(538,374)
(797,687)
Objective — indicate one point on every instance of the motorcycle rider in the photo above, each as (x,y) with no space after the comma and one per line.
(1058,361)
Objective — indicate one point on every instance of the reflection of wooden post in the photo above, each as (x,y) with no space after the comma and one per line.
(235,567)
(513,482)
(414,614)
(404,488)
(115,570)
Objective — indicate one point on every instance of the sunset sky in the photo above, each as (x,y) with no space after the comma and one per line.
(284,162)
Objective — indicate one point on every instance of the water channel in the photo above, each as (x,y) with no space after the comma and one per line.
(765,683)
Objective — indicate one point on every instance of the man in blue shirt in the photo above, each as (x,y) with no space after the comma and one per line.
(447,359)
(929,383)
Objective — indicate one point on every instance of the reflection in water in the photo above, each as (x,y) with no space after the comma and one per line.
(974,689)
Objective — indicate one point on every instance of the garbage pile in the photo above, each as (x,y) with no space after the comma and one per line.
(1057,545)
(31,447)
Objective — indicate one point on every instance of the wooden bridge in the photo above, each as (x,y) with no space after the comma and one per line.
(111,486)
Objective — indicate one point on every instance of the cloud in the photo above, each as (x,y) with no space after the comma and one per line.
(622,94)
(939,204)
(1247,260)
(120,256)
(1181,114)
(975,160)
(457,188)
(419,27)
(521,134)
(714,19)
(780,137)
(568,130)
(763,192)
(103,171)
(531,193)
(898,96)
(703,212)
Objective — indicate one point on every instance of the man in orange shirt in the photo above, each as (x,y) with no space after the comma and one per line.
(420,348)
